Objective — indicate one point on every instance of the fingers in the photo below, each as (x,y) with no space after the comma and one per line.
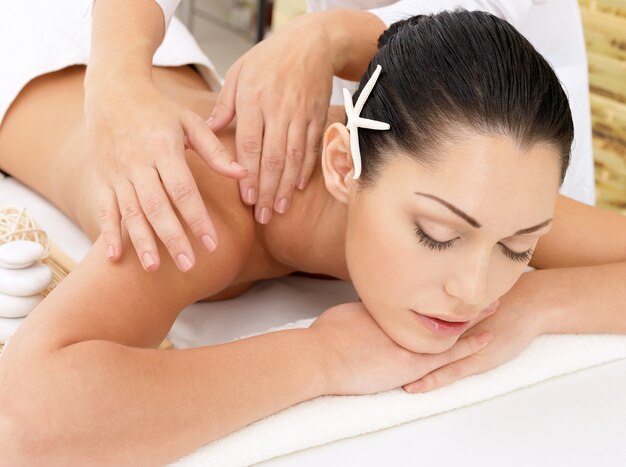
(294,157)
(160,214)
(271,170)
(137,225)
(249,137)
(313,150)
(209,147)
(453,364)
(183,192)
(445,375)
(224,110)
(109,217)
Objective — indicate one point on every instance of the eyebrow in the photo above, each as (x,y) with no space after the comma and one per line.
(473,222)
(533,228)
(466,217)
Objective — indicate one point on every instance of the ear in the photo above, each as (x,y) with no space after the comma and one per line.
(337,162)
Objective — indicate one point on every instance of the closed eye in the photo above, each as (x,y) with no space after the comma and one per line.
(432,244)
(521,257)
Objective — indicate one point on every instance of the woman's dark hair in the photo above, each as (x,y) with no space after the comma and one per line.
(461,69)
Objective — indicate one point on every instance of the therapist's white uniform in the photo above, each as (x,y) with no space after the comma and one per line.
(39,36)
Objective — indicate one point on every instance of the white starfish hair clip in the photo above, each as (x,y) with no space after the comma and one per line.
(355,121)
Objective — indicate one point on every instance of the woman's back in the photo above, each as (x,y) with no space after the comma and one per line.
(60,171)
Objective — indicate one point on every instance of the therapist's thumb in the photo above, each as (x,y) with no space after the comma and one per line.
(224,110)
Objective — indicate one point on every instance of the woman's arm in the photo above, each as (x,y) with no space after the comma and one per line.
(81,379)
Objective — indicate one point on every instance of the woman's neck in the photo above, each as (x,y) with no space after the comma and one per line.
(310,237)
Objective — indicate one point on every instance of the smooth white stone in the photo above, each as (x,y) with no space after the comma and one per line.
(25,282)
(20,254)
(17,307)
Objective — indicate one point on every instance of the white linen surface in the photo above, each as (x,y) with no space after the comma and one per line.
(271,304)
(330,418)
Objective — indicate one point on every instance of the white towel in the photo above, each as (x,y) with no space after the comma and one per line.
(330,418)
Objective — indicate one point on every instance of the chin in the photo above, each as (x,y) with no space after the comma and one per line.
(428,345)
(418,340)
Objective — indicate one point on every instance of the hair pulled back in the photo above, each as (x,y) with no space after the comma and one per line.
(456,71)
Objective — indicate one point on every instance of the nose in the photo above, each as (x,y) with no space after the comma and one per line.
(468,281)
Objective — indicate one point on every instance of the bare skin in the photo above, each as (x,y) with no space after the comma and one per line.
(91,340)
(59,152)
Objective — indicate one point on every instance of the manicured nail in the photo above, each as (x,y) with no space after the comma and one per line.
(110,252)
(251,196)
(416,387)
(148,261)
(237,166)
(208,243)
(264,216)
(210,120)
(184,264)
(301,184)
(281,206)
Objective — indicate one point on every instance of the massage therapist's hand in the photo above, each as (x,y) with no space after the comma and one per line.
(137,139)
(518,320)
(280,91)
(363,359)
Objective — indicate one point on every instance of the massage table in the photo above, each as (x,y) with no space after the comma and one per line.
(578,419)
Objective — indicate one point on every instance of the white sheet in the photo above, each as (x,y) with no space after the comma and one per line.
(330,418)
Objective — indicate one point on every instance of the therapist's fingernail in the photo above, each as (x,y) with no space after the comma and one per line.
(281,206)
(264,216)
(208,243)
(184,264)
(110,252)
(301,184)
(210,120)
(251,196)
(237,166)
(148,261)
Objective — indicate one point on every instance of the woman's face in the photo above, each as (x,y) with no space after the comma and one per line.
(445,243)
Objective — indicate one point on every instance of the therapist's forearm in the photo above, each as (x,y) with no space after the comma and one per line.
(589,299)
(352,37)
(100,401)
(125,36)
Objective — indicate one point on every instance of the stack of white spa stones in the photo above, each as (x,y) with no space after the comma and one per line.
(22,277)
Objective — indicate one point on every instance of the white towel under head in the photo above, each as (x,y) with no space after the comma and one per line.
(331,418)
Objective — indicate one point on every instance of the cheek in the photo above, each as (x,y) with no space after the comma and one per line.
(380,258)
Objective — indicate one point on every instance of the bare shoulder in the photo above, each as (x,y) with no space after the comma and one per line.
(120,302)
(581,235)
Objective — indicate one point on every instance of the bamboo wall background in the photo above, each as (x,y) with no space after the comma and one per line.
(604,24)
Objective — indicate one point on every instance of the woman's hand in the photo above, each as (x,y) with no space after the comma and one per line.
(364,360)
(280,91)
(137,139)
(517,322)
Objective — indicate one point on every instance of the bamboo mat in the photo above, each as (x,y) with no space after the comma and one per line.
(604,24)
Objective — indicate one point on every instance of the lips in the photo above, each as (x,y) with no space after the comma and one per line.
(445,328)
(441,327)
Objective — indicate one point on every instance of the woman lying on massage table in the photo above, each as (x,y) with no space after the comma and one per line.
(451,204)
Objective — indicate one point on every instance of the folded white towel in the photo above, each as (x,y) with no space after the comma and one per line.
(330,418)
